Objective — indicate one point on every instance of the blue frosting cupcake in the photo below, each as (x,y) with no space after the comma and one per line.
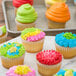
(66,39)
(66,72)
(66,44)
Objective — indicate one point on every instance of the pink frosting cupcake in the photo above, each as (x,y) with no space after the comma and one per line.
(33,39)
(21,70)
(48,62)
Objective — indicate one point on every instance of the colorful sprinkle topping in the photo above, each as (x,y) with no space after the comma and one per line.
(12,50)
(22,70)
(32,34)
(66,39)
(66,72)
(69,35)
(49,57)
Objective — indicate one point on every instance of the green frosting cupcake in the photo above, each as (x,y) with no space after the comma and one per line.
(12,50)
(26,14)
(3,29)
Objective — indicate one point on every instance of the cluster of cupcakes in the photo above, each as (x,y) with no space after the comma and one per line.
(48,61)
(57,14)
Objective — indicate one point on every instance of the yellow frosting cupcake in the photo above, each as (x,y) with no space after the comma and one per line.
(51,2)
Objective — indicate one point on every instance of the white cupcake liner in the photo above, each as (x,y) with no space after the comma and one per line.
(66,51)
(48,70)
(9,62)
(21,26)
(33,47)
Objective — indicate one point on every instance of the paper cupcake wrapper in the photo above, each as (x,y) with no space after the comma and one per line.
(3,38)
(33,47)
(48,70)
(55,25)
(21,26)
(66,51)
(9,62)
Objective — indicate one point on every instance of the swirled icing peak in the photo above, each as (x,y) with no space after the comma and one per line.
(51,2)
(26,14)
(66,72)
(49,57)
(21,70)
(66,39)
(18,3)
(59,12)
(32,34)
(12,50)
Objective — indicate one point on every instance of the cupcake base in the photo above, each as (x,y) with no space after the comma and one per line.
(33,47)
(48,70)
(66,51)
(21,26)
(3,38)
(55,25)
(9,62)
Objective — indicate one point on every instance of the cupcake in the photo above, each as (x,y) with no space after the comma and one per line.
(26,17)
(49,3)
(66,44)
(3,34)
(57,15)
(66,72)
(18,3)
(33,39)
(12,54)
(48,62)
(20,70)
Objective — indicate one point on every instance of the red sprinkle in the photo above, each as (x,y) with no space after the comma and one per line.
(49,57)
(18,3)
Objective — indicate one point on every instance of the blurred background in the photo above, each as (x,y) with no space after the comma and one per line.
(2,21)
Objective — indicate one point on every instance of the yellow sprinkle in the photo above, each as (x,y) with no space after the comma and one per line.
(31,34)
(22,70)
(13,49)
(18,44)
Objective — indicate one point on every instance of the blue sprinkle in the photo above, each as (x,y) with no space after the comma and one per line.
(9,43)
(74,73)
(13,53)
(4,45)
(61,72)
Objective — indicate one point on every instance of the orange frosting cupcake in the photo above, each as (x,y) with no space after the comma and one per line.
(58,12)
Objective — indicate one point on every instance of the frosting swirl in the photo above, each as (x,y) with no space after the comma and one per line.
(49,57)
(59,12)
(21,70)
(66,39)
(26,14)
(12,50)
(66,72)
(32,34)
(18,3)
(51,2)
